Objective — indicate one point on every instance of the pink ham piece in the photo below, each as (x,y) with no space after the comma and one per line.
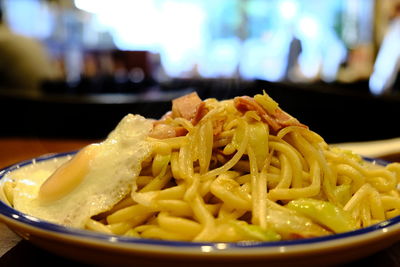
(276,120)
(189,107)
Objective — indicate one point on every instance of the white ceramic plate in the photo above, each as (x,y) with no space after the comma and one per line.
(95,248)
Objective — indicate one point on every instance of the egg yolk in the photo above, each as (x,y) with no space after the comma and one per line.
(68,176)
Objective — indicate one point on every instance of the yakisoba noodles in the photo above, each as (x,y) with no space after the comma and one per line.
(243,169)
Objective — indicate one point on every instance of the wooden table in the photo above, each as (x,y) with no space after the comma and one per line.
(14,252)
(13,150)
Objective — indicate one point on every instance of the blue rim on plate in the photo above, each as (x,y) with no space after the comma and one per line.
(15,215)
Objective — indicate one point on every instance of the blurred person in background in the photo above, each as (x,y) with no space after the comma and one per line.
(24,63)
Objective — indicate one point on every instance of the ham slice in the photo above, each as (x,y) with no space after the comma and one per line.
(189,107)
(192,108)
(276,120)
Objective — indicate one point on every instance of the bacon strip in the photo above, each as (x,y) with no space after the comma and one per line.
(277,120)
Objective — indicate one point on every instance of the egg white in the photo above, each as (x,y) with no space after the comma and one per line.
(111,176)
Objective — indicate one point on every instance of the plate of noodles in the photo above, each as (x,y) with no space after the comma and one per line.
(237,181)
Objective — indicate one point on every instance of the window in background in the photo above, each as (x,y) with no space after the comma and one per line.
(20,10)
(386,75)
(266,39)
(275,40)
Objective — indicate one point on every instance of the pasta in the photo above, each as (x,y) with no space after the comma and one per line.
(243,169)
(252,182)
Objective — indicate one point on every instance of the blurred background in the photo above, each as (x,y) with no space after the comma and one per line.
(74,68)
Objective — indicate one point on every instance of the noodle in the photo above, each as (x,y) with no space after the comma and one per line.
(245,170)
(208,184)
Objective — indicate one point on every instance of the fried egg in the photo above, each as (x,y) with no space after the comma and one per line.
(68,191)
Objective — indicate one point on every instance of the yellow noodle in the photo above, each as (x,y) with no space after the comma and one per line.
(291,158)
(328,181)
(262,193)
(358,197)
(175,167)
(228,165)
(193,186)
(131,213)
(126,202)
(179,225)
(175,207)
(386,179)
(185,159)
(228,190)
(232,169)
(205,146)
(286,173)
(365,214)
(97,226)
(294,193)
(255,193)
(185,123)
(121,227)
(376,206)
(390,202)
(158,182)
(176,192)
(226,213)
(205,217)
(355,176)
(158,233)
